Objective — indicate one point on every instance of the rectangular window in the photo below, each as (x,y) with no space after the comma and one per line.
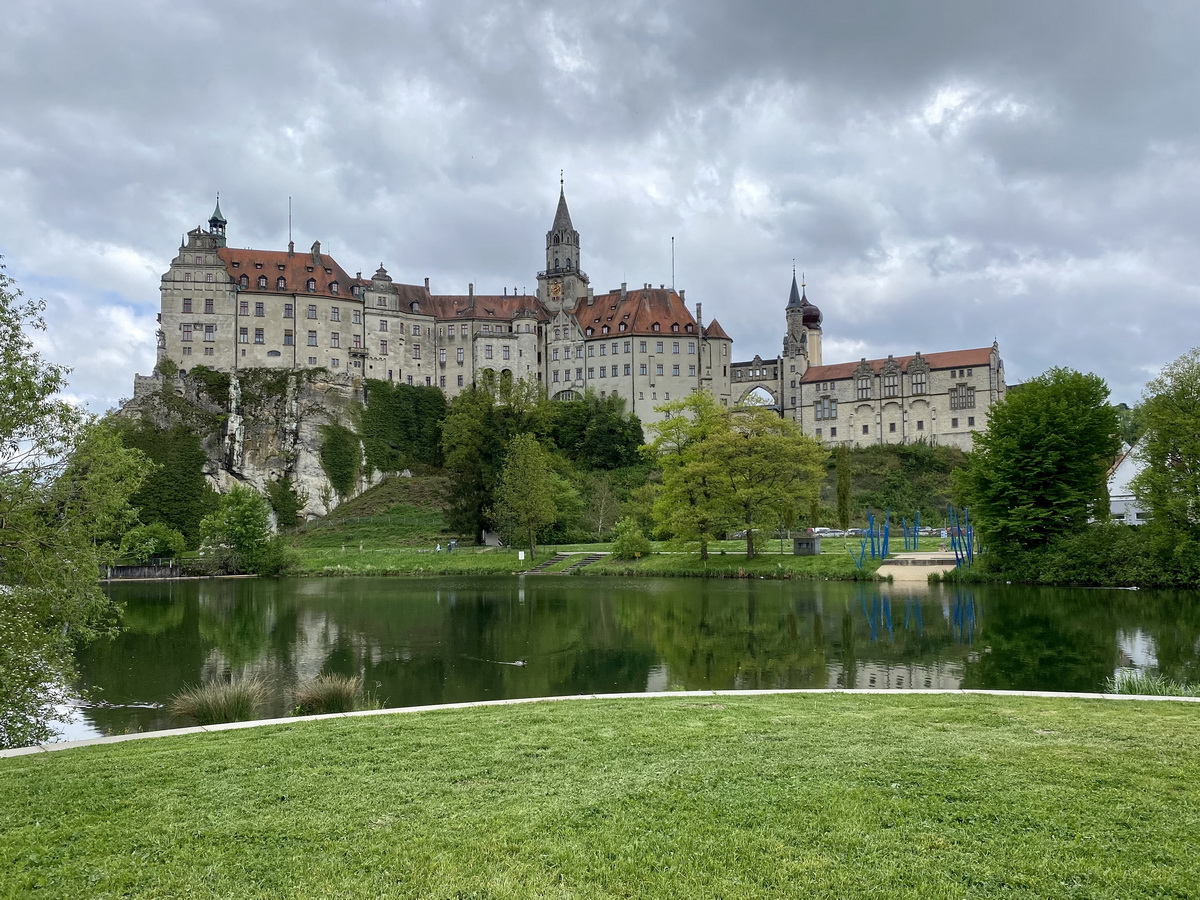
(918,383)
(603,350)
(591,350)
(383,348)
(259,310)
(954,423)
(579,374)
(628,369)
(628,346)
(674,346)
(962,397)
(604,371)
(460,381)
(591,372)
(505,352)
(891,427)
(442,381)
(243,335)
(258,336)
(312,360)
(487,351)
(416,351)
(692,373)
(187,304)
(208,351)
(692,347)
(312,311)
(864,390)
(356,341)
(383,326)
(287,311)
(335,339)
(243,307)
(554,354)
(208,305)
(675,370)
(866,429)
(833,431)
(891,385)
(187,333)
(658,369)
(642,369)
(416,329)
(312,339)
(614,348)
(208,277)
(289,338)
(442,354)
(210,332)
(970,421)
(459,354)
(641,346)
(335,362)
(554,375)
(187,351)
(356,317)
(335,314)
(658,346)
(920,424)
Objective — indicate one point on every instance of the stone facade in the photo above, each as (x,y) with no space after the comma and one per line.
(232,309)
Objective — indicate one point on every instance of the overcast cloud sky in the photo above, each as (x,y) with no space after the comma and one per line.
(946,173)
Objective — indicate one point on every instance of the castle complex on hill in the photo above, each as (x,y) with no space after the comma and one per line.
(232,309)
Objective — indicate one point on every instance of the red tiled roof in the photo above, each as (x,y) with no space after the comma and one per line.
(295,271)
(486,306)
(641,309)
(714,330)
(951,359)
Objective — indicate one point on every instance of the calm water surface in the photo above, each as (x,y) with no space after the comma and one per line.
(438,640)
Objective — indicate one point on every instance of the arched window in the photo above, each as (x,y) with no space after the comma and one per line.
(281,282)
(556,265)
(244,281)
(556,240)
(568,264)
(311,285)
(262,281)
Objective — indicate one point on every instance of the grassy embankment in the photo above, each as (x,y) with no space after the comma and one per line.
(781,796)
(393,529)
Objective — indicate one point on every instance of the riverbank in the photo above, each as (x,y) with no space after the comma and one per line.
(835,795)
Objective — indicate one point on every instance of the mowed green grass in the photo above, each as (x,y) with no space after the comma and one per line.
(812,796)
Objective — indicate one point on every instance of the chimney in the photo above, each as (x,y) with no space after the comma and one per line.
(471,289)
(661,286)
(683,296)
(426,282)
(622,290)
(358,276)
(291,248)
(699,315)
(316,252)
(591,296)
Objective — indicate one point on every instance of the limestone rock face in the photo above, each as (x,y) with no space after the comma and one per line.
(257,426)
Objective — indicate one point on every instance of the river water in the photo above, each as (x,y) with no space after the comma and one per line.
(440,640)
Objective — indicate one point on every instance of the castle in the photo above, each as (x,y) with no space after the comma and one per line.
(232,309)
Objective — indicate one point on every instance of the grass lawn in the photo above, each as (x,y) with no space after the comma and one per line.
(814,796)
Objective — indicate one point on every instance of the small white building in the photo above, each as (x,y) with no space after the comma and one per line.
(1122,504)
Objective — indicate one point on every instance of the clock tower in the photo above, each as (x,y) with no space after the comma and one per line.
(563,282)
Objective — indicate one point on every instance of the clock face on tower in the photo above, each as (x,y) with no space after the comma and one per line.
(556,289)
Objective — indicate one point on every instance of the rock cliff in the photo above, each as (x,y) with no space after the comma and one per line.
(258,426)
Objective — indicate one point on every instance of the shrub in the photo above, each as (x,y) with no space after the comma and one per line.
(332,694)
(286,502)
(630,543)
(154,541)
(1150,684)
(217,701)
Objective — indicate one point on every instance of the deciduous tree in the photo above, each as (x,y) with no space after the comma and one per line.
(525,497)
(1040,467)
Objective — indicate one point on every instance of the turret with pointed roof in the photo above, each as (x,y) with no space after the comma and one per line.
(217,223)
(562,282)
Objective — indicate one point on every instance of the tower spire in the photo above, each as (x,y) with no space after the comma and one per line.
(217,223)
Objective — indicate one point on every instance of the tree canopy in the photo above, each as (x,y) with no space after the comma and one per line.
(526,497)
(65,484)
(1039,470)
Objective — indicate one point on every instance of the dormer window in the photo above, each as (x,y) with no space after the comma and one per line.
(308,268)
(262,281)
(589,331)
(258,265)
(675,326)
(654,327)
(623,326)
(236,264)
(355,290)
(280,266)
(244,281)
(311,285)
(604,329)
(281,283)
(329,271)
(689,327)
(333,287)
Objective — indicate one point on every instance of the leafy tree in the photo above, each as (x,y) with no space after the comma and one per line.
(65,484)
(526,495)
(603,502)
(286,501)
(472,445)
(842,469)
(597,433)
(155,541)
(629,542)
(1130,422)
(175,491)
(237,535)
(1040,468)
(1169,484)
(693,502)
(768,465)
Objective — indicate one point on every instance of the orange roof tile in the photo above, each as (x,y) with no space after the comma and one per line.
(487,306)
(295,271)
(951,359)
(641,309)
(714,330)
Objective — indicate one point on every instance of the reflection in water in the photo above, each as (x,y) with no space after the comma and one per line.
(423,641)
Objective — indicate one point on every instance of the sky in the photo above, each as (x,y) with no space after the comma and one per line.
(944,174)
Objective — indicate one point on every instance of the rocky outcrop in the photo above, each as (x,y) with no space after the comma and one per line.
(257,426)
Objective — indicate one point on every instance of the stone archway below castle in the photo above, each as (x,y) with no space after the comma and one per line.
(757,383)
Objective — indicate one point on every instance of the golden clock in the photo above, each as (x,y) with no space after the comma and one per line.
(556,289)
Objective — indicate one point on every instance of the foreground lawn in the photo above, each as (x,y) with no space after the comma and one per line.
(808,796)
